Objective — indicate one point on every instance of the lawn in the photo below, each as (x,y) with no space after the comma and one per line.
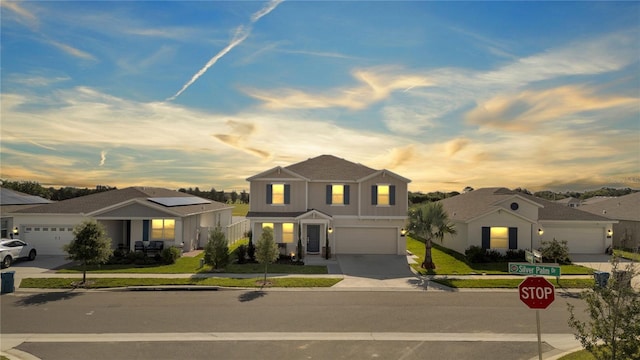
(240,209)
(449,262)
(578,355)
(68,283)
(627,255)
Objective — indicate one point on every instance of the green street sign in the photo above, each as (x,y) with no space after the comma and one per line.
(531,269)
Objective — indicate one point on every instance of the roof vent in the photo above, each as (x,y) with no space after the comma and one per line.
(604,211)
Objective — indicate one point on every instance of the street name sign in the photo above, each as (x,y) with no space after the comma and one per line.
(537,292)
(537,269)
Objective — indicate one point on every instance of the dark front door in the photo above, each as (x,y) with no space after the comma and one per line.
(313,238)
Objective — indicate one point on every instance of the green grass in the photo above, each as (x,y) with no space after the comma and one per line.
(240,209)
(191,265)
(511,283)
(449,262)
(578,355)
(627,255)
(68,283)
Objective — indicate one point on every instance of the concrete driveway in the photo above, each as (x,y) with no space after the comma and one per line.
(42,264)
(373,272)
(602,262)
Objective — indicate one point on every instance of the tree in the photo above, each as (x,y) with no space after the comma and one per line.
(216,252)
(558,251)
(266,250)
(90,245)
(429,221)
(613,330)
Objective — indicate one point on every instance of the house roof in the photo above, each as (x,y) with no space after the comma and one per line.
(12,197)
(625,207)
(99,201)
(331,168)
(473,204)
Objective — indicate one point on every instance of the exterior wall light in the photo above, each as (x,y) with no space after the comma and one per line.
(540,232)
(330,230)
(403,232)
(609,233)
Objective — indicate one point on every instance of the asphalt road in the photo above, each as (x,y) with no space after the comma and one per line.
(297,324)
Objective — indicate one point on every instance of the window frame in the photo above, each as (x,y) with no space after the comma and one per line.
(164,230)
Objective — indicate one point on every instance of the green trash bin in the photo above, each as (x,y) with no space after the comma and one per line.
(7,282)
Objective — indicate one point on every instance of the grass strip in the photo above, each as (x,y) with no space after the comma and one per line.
(511,283)
(98,283)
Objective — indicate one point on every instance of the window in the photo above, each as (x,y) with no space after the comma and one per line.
(338,194)
(278,194)
(499,237)
(267,225)
(163,229)
(383,195)
(287,232)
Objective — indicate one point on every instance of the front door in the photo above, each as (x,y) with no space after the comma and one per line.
(313,238)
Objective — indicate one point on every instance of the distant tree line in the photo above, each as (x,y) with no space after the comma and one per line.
(226,197)
(63,193)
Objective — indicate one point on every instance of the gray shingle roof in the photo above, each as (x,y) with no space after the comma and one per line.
(619,208)
(470,205)
(94,202)
(329,167)
(12,197)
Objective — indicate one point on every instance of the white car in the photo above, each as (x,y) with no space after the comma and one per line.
(13,249)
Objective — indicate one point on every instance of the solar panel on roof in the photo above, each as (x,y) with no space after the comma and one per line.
(179,201)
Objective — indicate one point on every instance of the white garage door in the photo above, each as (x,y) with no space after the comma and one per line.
(48,239)
(366,240)
(580,240)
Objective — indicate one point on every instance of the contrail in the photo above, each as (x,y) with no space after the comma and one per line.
(103,157)
(240,35)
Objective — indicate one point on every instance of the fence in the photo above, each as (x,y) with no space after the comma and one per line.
(237,231)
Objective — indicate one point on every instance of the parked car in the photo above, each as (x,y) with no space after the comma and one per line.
(14,249)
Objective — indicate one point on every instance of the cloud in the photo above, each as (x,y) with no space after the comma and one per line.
(240,34)
(456,145)
(72,51)
(103,157)
(24,16)
(376,84)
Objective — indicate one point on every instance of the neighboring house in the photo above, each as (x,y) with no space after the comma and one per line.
(358,209)
(570,202)
(625,209)
(501,219)
(129,215)
(10,201)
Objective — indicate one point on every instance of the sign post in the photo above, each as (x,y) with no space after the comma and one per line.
(537,293)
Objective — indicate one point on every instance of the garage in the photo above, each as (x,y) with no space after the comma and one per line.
(47,239)
(366,240)
(586,240)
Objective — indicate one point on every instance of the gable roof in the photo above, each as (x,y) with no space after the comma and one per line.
(473,204)
(12,197)
(103,200)
(330,168)
(625,207)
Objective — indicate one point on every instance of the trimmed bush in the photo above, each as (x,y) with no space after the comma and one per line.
(241,254)
(170,255)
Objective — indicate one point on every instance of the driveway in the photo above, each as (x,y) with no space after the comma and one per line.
(42,264)
(372,272)
(601,262)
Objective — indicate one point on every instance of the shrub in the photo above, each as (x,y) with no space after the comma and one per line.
(556,251)
(216,252)
(251,251)
(514,255)
(241,253)
(475,254)
(494,256)
(170,255)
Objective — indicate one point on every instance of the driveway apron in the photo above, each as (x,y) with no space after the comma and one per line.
(377,271)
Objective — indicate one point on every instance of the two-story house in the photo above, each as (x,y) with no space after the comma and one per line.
(328,200)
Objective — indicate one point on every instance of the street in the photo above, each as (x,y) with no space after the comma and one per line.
(280,324)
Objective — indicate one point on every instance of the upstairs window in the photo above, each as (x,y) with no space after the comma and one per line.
(383,195)
(338,194)
(278,194)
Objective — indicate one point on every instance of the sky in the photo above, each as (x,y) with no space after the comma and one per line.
(538,95)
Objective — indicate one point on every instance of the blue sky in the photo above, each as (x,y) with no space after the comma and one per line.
(541,95)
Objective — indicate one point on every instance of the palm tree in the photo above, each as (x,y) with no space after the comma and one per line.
(429,221)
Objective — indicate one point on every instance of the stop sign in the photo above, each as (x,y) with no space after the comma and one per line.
(536,292)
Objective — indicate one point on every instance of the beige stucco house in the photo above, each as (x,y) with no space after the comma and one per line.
(328,200)
(129,215)
(501,219)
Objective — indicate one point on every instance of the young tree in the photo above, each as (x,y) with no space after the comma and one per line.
(266,250)
(90,245)
(613,330)
(216,252)
(556,250)
(429,221)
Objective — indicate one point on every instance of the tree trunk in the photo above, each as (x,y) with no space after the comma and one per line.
(264,283)
(428,259)
(84,273)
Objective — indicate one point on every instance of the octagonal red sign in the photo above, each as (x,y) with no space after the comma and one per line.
(536,292)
